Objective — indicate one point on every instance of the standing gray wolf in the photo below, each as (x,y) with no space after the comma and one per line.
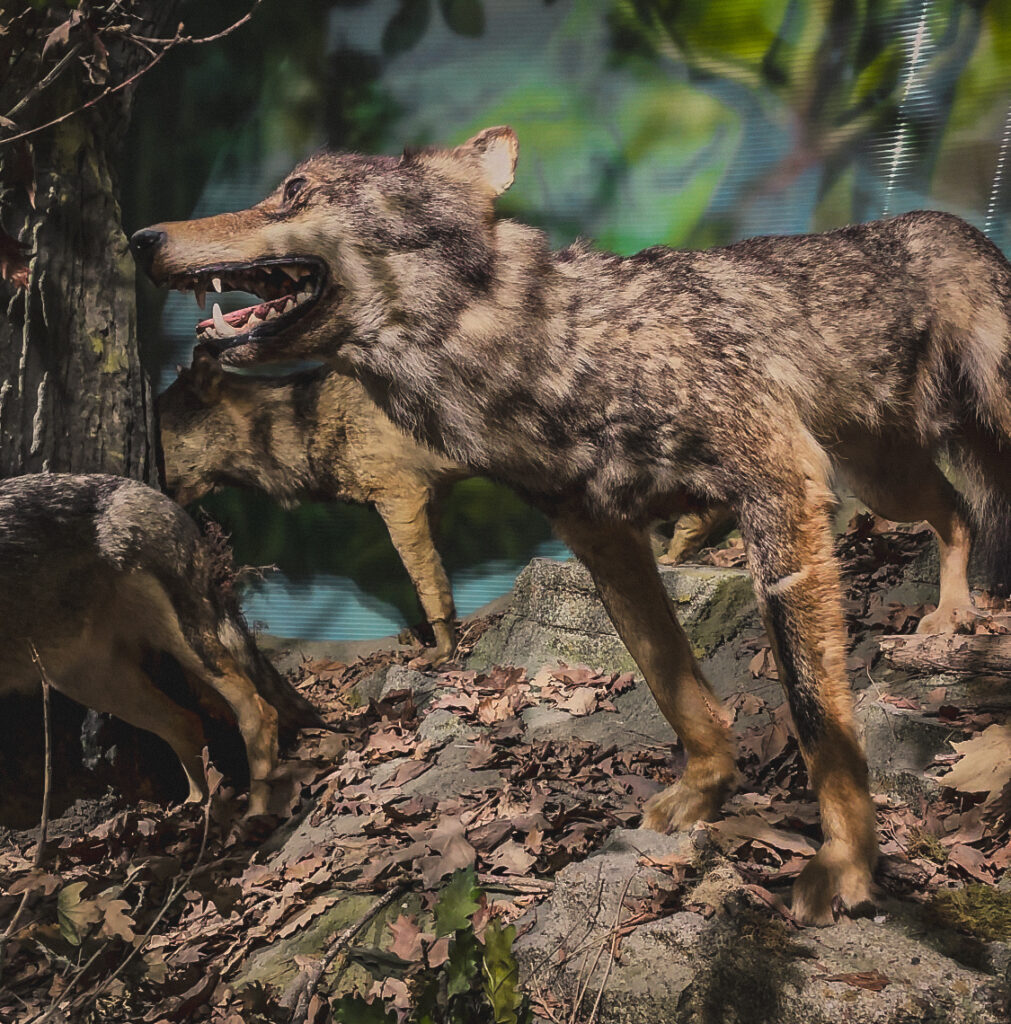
(612,392)
(310,436)
(97,571)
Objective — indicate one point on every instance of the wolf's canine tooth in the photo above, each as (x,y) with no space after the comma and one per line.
(224,328)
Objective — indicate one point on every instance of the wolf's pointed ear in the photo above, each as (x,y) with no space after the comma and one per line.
(207,374)
(495,150)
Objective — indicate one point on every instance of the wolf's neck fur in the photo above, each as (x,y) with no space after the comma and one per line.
(277,459)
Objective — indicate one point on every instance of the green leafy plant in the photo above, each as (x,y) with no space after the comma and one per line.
(476,983)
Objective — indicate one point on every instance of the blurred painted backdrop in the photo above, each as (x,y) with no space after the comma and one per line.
(685,122)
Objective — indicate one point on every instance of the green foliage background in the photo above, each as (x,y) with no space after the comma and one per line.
(685,122)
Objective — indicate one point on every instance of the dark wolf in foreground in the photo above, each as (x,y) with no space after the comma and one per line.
(311,436)
(612,392)
(95,572)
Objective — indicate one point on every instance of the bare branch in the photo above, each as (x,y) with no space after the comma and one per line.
(84,106)
(167,44)
(46,82)
(199,41)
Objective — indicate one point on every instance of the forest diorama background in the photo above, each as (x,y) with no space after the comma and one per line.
(681,122)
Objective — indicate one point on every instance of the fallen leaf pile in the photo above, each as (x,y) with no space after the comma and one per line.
(148,917)
(532,808)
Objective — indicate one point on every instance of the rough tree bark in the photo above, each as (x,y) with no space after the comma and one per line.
(975,655)
(73,394)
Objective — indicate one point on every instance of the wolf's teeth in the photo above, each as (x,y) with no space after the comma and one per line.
(201,297)
(272,312)
(253,321)
(303,296)
(216,281)
(294,273)
(223,327)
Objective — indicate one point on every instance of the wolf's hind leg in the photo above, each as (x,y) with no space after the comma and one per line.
(406,514)
(210,647)
(621,562)
(905,484)
(120,687)
(789,541)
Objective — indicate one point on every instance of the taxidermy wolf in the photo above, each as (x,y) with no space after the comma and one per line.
(310,436)
(95,572)
(612,392)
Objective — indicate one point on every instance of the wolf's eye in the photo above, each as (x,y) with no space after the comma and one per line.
(292,189)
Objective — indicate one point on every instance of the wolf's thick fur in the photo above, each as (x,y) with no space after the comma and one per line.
(615,391)
(311,436)
(96,571)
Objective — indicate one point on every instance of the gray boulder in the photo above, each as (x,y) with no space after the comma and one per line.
(724,960)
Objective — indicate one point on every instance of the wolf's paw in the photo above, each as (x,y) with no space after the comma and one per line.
(672,557)
(949,619)
(835,878)
(688,801)
(443,651)
(431,657)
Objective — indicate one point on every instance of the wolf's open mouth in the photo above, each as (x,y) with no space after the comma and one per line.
(289,287)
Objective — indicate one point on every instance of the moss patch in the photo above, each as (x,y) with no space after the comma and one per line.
(978,909)
(923,844)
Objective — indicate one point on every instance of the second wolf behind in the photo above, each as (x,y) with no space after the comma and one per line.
(314,435)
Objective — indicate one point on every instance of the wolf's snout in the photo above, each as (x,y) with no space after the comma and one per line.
(144,244)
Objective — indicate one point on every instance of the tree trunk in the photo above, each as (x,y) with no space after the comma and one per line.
(73,394)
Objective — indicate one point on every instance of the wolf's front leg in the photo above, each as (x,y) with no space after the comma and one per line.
(796,579)
(621,562)
(406,514)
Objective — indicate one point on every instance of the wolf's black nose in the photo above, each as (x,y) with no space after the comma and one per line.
(144,243)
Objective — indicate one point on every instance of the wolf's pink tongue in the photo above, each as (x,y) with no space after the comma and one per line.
(238,317)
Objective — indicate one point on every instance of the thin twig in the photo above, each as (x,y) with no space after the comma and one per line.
(46,786)
(191,41)
(547,958)
(582,982)
(611,933)
(168,44)
(302,999)
(84,106)
(614,949)
(514,883)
